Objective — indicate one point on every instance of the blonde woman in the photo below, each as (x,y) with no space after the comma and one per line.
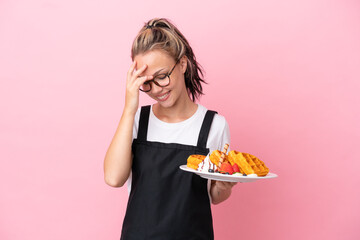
(151,142)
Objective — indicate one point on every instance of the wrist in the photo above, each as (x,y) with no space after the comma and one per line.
(129,112)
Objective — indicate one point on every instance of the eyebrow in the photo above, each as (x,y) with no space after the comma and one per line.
(155,73)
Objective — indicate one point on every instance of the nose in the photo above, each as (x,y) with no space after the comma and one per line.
(155,88)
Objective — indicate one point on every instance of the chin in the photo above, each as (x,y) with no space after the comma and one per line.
(166,104)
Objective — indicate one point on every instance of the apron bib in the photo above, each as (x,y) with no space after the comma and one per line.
(166,202)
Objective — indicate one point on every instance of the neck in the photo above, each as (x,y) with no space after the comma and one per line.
(182,109)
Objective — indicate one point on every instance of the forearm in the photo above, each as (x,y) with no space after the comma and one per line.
(220,194)
(118,158)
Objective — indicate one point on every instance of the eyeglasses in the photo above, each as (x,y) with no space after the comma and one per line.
(161,80)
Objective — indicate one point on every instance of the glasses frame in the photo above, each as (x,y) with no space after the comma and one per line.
(156,83)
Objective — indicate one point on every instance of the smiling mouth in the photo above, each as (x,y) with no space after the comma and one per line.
(163,97)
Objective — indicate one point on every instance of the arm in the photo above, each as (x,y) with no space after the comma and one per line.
(220,191)
(118,158)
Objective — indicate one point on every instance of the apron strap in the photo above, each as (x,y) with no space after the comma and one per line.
(205,128)
(143,123)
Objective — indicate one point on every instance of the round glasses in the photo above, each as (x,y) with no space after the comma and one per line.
(161,80)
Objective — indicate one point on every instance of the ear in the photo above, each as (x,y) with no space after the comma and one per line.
(183,64)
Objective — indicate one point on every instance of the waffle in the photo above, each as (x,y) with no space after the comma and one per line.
(248,164)
(215,157)
(193,161)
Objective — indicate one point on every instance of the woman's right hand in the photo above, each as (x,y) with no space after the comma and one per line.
(133,83)
(118,158)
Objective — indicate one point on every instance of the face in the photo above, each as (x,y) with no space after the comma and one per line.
(158,62)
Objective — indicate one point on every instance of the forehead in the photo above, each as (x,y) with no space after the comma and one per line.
(154,59)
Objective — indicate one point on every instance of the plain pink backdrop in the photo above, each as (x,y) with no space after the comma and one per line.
(285,74)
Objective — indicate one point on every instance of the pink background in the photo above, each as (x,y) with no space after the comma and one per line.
(285,74)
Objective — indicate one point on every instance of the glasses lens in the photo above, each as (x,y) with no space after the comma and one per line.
(145,87)
(162,80)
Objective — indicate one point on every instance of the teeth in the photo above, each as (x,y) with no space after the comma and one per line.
(163,96)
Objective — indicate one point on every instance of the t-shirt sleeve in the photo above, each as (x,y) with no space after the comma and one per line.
(225,138)
(136,124)
(219,134)
(134,135)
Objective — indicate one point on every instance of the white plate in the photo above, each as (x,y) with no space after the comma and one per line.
(226,178)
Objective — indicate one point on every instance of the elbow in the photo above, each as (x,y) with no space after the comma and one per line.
(115,179)
(114,182)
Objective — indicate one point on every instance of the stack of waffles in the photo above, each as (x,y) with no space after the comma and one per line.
(243,163)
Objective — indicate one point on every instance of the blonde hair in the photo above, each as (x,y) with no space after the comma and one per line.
(160,33)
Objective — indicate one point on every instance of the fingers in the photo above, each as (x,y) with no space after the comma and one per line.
(225,185)
(140,70)
(133,85)
(141,80)
(135,73)
(134,80)
(132,67)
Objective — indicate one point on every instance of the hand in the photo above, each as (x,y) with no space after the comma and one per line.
(220,191)
(133,83)
(224,186)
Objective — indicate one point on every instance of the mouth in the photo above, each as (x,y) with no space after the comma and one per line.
(163,97)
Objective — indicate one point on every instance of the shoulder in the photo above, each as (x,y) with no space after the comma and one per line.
(219,133)
(219,120)
(137,114)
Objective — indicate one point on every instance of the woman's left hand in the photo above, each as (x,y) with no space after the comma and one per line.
(224,185)
(220,191)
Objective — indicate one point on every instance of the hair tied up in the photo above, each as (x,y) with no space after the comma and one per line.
(148,26)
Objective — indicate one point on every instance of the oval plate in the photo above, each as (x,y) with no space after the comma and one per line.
(226,178)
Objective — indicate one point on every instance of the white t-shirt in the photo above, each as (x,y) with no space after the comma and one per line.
(185,132)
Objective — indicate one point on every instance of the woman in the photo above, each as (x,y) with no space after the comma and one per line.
(153,141)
